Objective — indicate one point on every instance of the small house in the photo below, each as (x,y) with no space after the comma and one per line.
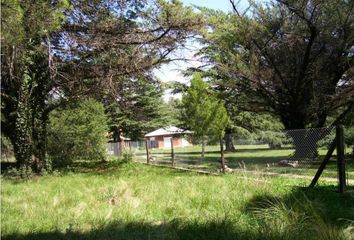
(164,137)
(116,147)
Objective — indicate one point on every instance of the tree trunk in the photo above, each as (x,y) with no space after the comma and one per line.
(22,137)
(305,143)
(39,136)
(41,78)
(274,145)
(116,134)
(32,114)
(229,144)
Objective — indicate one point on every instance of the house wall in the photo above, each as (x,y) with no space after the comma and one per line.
(177,141)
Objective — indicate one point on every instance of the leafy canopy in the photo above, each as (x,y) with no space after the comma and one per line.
(203,113)
(293,59)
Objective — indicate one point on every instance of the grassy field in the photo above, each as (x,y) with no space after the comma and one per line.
(135,201)
(250,157)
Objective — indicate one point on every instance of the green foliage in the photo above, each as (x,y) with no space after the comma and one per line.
(40,16)
(77,132)
(27,27)
(349,135)
(349,129)
(272,59)
(23,173)
(7,149)
(251,127)
(203,113)
(275,139)
(141,109)
(127,157)
(42,38)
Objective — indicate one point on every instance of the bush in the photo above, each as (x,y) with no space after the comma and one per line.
(21,173)
(7,150)
(127,157)
(77,131)
(275,139)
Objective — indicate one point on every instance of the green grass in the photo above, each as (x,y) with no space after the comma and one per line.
(135,201)
(251,157)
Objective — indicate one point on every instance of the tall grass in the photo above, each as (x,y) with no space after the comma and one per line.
(297,218)
(133,201)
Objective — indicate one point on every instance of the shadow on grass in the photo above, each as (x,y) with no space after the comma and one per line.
(232,162)
(304,213)
(241,150)
(331,204)
(249,162)
(121,168)
(140,230)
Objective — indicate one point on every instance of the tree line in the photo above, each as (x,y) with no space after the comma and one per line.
(55,52)
(281,64)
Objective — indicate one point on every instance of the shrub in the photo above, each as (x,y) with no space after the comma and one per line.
(127,157)
(19,173)
(77,131)
(7,150)
(275,139)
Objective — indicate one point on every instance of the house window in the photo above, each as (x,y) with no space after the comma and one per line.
(152,139)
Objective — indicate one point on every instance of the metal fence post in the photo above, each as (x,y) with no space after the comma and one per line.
(340,158)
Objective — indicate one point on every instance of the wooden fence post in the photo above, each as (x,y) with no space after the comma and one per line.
(324,163)
(172,152)
(340,158)
(222,160)
(147,152)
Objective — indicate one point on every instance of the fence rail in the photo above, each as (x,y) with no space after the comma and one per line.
(294,152)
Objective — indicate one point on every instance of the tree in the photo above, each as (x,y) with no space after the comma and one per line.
(26,75)
(77,132)
(291,59)
(58,51)
(202,112)
(297,56)
(215,54)
(106,42)
(140,110)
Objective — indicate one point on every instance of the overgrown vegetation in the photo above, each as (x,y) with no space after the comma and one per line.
(59,51)
(78,131)
(134,201)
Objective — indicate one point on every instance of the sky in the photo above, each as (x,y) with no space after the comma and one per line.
(214,4)
(172,71)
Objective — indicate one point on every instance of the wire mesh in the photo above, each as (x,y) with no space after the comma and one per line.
(306,143)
